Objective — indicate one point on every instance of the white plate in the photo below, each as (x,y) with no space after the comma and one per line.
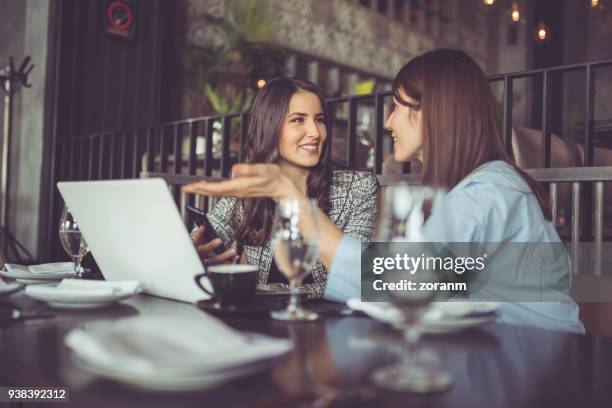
(173,382)
(162,376)
(8,288)
(84,300)
(36,276)
(432,322)
(88,305)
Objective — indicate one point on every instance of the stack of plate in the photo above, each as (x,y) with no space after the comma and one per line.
(8,288)
(38,274)
(172,352)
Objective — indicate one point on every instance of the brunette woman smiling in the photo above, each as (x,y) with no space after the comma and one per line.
(287,127)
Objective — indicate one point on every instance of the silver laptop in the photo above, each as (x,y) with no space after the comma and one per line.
(135,231)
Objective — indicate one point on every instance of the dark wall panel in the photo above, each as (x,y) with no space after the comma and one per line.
(108,82)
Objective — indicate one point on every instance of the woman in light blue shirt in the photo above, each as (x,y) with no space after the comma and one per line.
(444,114)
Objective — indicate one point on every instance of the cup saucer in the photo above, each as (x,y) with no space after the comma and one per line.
(253,309)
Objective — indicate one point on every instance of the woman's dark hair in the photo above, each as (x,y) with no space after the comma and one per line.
(266,119)
(459,120)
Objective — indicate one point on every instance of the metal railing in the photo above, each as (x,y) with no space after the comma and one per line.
(160,148)
(546,75)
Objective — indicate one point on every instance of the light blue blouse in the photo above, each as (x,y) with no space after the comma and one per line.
(492,204)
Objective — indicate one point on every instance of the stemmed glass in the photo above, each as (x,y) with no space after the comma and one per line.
(72,240)
(294,253)
(404,210)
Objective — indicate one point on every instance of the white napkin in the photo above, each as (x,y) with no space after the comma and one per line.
(170,345)
(86,288)
(439,310)
(54,267)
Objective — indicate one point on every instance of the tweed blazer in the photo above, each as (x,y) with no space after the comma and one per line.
(353,198)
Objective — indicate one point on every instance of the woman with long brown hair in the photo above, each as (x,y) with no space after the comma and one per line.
(287,127)
(444,114)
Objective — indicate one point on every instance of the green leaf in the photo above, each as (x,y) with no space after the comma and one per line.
(217,102)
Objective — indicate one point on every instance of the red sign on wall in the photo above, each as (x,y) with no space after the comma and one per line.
(119,18)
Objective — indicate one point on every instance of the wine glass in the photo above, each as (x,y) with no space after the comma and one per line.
(294,253)
(72,240)
(404,210)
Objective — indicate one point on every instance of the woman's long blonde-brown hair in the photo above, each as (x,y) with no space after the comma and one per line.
(459,118)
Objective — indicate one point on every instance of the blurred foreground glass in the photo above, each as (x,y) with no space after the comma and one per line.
(402,215)
(72,240)
(294,253)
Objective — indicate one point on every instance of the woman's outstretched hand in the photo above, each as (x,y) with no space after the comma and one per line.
(251,180)
(267,180)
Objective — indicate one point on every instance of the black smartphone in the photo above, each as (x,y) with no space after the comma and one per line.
(199,218)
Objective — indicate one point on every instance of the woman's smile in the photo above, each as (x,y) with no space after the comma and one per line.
(310,147)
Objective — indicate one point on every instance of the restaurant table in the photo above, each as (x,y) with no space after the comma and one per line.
(497,365)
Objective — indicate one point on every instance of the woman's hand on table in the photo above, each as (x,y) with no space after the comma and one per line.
(251,180)
(206,250)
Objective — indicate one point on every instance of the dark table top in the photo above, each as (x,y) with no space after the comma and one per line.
(494,366)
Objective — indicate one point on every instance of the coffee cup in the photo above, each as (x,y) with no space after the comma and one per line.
(233,285)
